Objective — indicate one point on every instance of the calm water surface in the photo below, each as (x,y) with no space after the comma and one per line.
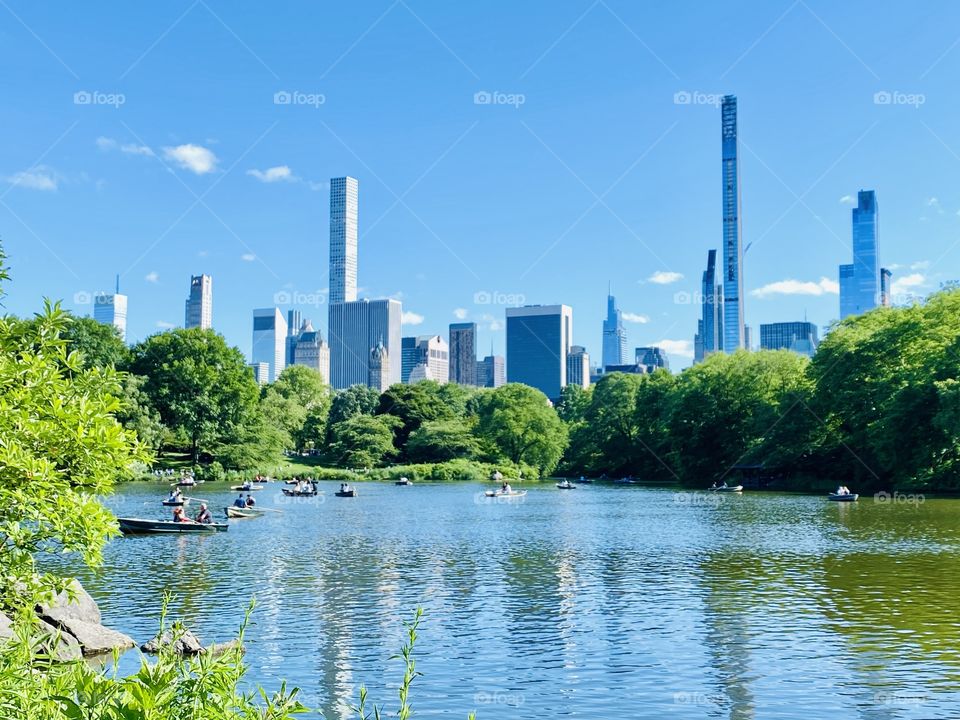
(602,602)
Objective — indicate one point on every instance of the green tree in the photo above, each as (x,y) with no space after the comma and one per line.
(414,405)
(442,440)
(137,414)
(199,385)
(99,344)
(517,423)
(297,394)
(363,441)
(352,401)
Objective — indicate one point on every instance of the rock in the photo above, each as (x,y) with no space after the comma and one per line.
(83,607)
(221,648)
(94,638)
(67,647)
(183,641)
(6,627)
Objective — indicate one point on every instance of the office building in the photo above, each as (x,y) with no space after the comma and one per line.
(410,357)
(344,233)
(112,310)
(860,281)
(379,368)
(294,328)
(614,336)
(578,366)
(538,342)
(733,335)
(886,280)
(311,351)
(425,357)
(800,337)
(270,340)
(652,358)
(463,353)
(355,328)
(491,371)
(709,338)
(199,306)
(261,372)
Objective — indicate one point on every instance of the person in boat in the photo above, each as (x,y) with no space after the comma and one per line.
(842,490)
(250,502)
(179,516)
(313,486)
(507,489)
(239,502)
(204,515)
(714,486)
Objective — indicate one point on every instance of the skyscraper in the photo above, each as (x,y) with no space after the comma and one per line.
(199,305)
(379,368)
(112,310)
(614,336)
(652,358)
(733,337)
(356,328)
(578,366)
(860,281)
(261,372)
(426,358)
(491,372)
(344,229)
(270,340)
(886,278)
(709,337)
(311,351)
(463,353)
(294,328)
(801,337)
(538,342)
(410,357)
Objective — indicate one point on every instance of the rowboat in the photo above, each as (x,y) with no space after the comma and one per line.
(346,493)
(135,526)
(246,488)
(566,485)
(505,495)
(298,493)
(235,512)
(727,488)
(174,503)
(846,497)
(404,481)
(186,483)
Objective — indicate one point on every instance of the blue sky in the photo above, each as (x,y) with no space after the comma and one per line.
(585,168)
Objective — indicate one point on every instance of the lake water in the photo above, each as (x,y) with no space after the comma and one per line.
(601,602)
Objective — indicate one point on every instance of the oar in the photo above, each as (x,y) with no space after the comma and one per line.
(200,500)
(266,509)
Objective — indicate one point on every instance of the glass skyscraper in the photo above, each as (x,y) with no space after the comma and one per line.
(733,334)
(614,336)
(463,353)
(355,329)
(344,223)
(538,342)
(709,337)
(270,340)
(860,281)
(111,310)
(801,337)
(198,312)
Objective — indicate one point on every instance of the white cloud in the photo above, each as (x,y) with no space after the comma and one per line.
(40,177)
(635,318)
(934,202)
(826,286)
(152,276)
(681,348)
(280,173)
(847,200)
(411,318)
(164,325)
(460,313)
(248,257)
(493,323)
(194,158)
(105,143)
(664,277)
(920,265)
(904,285)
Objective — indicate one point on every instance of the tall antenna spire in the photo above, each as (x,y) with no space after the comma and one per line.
(118,283)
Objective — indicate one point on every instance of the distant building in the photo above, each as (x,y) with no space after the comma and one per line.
(261,372)
(652,358)
(420,373)
(709,337)
(198,312)
(354,328)
(379,368)
(733,333)
(886,281)
(748,337)
(578,366)
(111,310)
(294,328)
(430,351)
(800,337)
(614,336)
(311,350)
(270,340)
(860,281)
(491,372)
(634,369)
(463,353)
(538,342)
(344,233)
(410,357)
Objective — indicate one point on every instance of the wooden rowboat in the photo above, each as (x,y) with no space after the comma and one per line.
(346,493)
(138,526)
(235,512)
(727,488)
(848,497)
(175,503)
(505,495)
(251,488)
(299,493)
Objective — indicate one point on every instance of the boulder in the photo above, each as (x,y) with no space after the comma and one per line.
(218,649)
(182,641)
(82,607)
(60,645)
(94,638)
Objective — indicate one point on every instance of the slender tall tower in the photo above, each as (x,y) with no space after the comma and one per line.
(733,333)
(344,193)
(198,312)
(861,282)
(614,336)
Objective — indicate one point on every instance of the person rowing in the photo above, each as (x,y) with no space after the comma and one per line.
(178,516)
(250,502)
(239,502)
(204,515)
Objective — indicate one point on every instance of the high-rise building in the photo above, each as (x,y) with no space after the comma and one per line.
(538,342)
(344,232)
(801,337)
(294,328)
(199,305)
(709,337)
(463,353)
(261,372)
(270,340)
(410,357)
(860,281)
(425,357)
(355,328)
(311,350)
(578,366)
(379,368)
(652,358)
(733,337)
(614,336)
(491,372)
(112,310)
(886,280)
